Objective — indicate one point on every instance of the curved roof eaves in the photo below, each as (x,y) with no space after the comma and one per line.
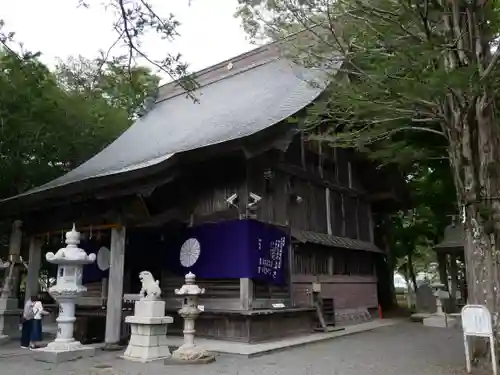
(228,109)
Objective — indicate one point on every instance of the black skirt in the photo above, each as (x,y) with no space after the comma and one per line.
(36,330)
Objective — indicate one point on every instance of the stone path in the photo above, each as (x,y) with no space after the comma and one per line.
(402,349)
(254,350)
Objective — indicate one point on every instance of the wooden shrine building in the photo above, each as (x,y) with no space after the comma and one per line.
(226,188)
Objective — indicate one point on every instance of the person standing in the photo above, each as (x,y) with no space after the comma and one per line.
(36,329)
(27,321)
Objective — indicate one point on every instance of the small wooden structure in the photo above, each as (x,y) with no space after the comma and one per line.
(232,157)
(449,250)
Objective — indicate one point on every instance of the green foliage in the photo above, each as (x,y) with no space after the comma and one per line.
(52,122)
(408,75)
(400,65)
(121,86)
(414,232)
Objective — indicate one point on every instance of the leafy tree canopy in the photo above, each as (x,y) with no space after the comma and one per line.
(401,64)
(53,121)
(414,232)
(397,66)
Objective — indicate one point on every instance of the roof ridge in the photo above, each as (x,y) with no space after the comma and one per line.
(239,63)
(223,70)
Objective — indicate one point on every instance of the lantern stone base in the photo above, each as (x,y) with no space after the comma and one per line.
(192,355)
(148,340)
(200,361)
(57,352)
(440,321)
(9,320)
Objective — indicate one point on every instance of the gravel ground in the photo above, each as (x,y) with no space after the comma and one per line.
(403,349)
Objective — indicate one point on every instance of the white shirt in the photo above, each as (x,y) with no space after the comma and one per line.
(28,310)
(38,310)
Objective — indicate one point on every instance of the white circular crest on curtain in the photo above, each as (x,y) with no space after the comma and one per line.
(190,252)
(103,258)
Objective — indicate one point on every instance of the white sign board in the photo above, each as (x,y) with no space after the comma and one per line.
(476,321)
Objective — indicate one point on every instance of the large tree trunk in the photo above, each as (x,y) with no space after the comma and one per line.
(411,271)
(474,158)
(474,139)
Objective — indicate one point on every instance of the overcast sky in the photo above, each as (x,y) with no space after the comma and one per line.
(59,29)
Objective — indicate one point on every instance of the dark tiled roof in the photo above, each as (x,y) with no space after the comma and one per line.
(454,237)
(257,92)
(333,241)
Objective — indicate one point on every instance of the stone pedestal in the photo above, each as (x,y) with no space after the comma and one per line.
(148,325)
(440,321)
(9,320)
(63,352)
(9,310)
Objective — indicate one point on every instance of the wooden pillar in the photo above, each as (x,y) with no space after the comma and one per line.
(349,173)
(371,223)
(246,284)
(443,274)
(291,271)
(453,276)
(302,150)
(246,293)
(34,262)
(104,288)
(342,200)
(328,212)
(115,289)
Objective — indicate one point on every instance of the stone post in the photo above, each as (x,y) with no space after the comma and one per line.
(246,293)
(9,310)
(189,352)
(34,262)
(453,279)
(68,289)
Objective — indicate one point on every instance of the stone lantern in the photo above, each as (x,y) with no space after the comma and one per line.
(440,318)
(70,261)
(189,311)
(440,293)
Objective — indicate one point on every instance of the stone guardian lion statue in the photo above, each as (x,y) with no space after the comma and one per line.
(150,289)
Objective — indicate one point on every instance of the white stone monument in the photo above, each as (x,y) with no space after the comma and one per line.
(68,288)
(439,318)
(189,353)
(148,325)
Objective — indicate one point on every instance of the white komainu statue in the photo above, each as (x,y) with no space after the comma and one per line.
(150,289)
